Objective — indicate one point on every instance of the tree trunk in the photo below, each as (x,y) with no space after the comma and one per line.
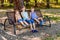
(56,1)
(48,2)
(2,3)
(11,1)
(35,3)
(18,4)
(27,3)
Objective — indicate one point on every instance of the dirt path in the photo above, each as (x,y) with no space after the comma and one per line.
(27,35)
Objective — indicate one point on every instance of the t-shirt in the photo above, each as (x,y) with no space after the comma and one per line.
(24,15)
(33,15)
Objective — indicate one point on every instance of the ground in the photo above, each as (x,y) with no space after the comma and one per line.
(25,34)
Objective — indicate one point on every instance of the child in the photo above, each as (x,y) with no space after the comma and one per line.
(18,18)
(28,20)
(34,16)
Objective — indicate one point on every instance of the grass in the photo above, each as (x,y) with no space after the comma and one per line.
(55,18)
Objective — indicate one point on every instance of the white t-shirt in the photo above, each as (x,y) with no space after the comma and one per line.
(24,15)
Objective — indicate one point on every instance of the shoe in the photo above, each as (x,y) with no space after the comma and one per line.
(34,31)
(41,23)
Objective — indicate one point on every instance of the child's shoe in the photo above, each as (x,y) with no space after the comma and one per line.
(34,31)
(41,23)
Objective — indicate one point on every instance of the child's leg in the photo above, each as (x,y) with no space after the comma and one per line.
(40,18)
(31,27)
(37,20)
(26,23)
(42,21)
(34,30)
(22,23)
(34,26)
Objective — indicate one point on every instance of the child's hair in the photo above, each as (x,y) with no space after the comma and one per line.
(16,10)
(32,7)
(23,7)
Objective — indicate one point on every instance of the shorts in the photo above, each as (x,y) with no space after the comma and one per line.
(34,19)
(29,21)
(20,20)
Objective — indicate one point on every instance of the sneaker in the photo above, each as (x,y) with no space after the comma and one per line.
(41,22)
(34,31)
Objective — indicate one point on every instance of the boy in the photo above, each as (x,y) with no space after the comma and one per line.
(34,16)
(28,20)
(18,18)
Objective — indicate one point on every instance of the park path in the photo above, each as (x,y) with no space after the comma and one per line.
(27,35)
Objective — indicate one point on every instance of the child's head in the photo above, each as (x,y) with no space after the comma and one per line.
(32,9)
(23,8)
(17,11)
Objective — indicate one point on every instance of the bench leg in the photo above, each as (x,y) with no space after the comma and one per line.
(14,26)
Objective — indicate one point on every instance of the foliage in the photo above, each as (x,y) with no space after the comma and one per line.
(40,3)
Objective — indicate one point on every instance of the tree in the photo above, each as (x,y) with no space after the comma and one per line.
(18,4)
(2,3)
(35,3)
(11,1)
(27,2)
(48,2)
(56,1)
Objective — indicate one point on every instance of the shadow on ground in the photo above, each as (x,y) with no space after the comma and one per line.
(42,33)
